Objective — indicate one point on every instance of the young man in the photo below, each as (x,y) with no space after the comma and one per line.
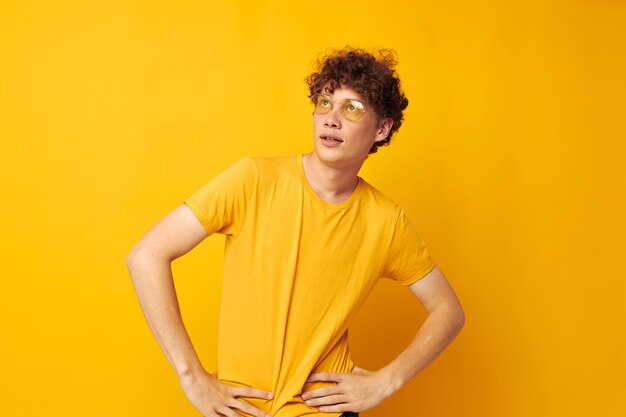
(306,241)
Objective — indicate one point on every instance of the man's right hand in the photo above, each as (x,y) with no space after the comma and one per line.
(213,398)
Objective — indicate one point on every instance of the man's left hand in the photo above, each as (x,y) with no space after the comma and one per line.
(357,391)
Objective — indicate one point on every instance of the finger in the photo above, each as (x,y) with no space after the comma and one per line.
(250,393)
(329,400)
(325,376)
(248,409)
(339,408)
(227,412)
(320,392)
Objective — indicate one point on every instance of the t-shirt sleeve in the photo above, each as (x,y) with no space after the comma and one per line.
(220,205)
(408,260)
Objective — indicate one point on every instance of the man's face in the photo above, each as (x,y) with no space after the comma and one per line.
(342,142)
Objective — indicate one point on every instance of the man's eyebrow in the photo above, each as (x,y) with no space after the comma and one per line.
(347,98)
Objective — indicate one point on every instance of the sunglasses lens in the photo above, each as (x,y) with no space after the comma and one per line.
(352,109)
(323,104)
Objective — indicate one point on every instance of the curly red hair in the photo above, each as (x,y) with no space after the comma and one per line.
(373,77)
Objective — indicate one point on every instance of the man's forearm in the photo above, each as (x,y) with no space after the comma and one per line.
(154,285)
(437,331)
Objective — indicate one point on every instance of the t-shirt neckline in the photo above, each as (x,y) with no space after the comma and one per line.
(320,200)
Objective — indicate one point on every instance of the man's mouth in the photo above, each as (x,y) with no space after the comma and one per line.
(331,138)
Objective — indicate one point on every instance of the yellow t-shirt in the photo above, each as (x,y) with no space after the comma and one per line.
(296,271)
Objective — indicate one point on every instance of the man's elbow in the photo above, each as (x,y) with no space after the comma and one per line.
(136,256)
(461,319)
(456,315)
(144,256)
(459,316)
(132,256)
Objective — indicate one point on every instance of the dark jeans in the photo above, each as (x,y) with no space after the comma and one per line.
(349,414)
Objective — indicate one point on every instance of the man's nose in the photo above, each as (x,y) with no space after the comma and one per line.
(332,118)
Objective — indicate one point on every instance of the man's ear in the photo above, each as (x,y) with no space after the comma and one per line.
(383,129)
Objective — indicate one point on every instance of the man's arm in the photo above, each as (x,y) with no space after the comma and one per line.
(149,264)
(361,389)
(445,320)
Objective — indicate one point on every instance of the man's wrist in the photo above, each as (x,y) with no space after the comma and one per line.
(391,380)
(189,371)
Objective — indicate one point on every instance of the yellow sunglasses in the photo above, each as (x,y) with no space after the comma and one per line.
(350,109)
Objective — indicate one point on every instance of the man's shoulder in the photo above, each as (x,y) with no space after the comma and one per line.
(272,160)
(380,201)
(272,167)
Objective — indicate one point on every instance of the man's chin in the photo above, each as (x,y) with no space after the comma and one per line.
(333,157)
(331,154)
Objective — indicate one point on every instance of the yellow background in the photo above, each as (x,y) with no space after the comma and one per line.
(510,163)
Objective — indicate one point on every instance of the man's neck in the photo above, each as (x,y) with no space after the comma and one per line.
(332,184)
